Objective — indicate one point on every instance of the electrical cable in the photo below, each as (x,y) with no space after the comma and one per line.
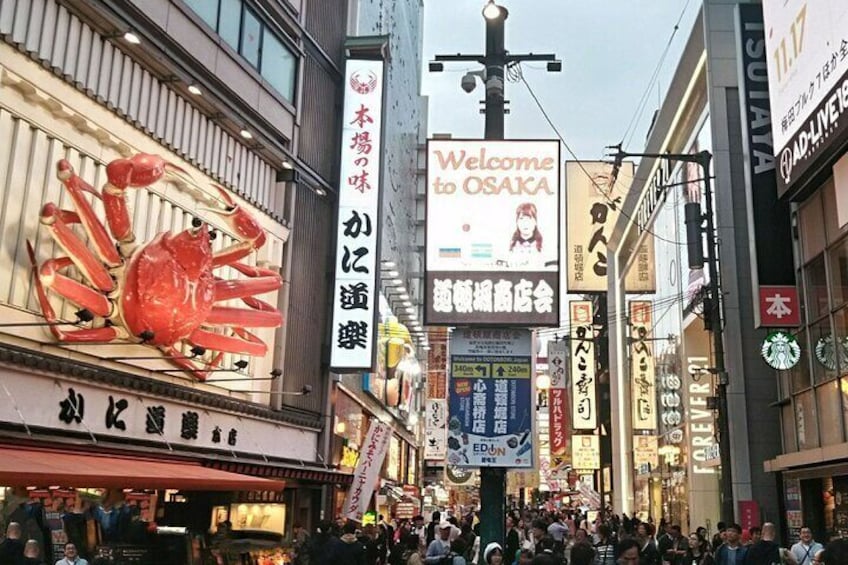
(640,108)
(580,164)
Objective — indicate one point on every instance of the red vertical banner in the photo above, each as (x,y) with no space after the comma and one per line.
(749,514)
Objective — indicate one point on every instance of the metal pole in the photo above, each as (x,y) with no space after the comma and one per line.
(717,322)
(493,479)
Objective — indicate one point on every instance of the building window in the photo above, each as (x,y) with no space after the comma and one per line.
(241,29)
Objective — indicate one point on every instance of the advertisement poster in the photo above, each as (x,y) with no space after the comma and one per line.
(436,404)
(592,208)
(805,45)
(491,409)
(584,413)
(645,452)
(358,232)
(642,376)
(492,232)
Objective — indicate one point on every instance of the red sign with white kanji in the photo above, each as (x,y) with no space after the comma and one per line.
(779,307)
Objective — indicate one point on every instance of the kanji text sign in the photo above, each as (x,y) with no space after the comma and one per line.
(779,307)
(354,302)
(492,232)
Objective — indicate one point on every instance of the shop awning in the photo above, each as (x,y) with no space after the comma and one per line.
(25,466)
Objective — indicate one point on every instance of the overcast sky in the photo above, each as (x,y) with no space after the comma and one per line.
(609,50)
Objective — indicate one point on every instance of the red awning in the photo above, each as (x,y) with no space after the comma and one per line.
(26,466)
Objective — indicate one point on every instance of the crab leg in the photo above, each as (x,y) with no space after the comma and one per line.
(88,264)
(226,316)
(246,228)
(100,240)
(176,357)
(243,342)
(229,289)
(70,289)
(80,336)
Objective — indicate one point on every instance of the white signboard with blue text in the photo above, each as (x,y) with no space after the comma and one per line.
(490,398)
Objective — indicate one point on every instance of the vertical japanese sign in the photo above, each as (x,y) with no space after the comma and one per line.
(593,203)
(584,403)
(436,405)
(374,450)
(557,398)
(355,292)
(642,377)
(490,401)
(492,233)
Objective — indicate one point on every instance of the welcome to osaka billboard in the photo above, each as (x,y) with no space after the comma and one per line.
(492,232)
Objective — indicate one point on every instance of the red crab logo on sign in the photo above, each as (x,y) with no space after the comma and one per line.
(364,85)
(161,293)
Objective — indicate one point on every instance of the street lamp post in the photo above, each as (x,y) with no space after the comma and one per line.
(495,61)
(712,308)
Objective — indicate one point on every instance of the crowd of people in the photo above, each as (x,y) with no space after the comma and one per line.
(14,550)
(539,537)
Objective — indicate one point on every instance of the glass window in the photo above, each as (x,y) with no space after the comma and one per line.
(830,408)
(230,22)
(790,440)
(831,220)
(206,9)
(824,352)
(251,38)
(278,65)
(812,227)
(800,373)
(805,421)
(839,272)
(816,289)
(840,322)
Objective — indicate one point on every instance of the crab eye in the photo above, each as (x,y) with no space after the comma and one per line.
(196,222)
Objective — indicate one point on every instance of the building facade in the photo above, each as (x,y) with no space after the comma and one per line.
(809,146)
(706,109)
(243,98)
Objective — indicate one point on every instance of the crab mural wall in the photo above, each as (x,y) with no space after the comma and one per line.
(164,292)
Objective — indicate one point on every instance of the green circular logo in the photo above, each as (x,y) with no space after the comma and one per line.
(781,351)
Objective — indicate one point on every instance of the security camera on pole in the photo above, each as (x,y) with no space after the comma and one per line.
(495,61)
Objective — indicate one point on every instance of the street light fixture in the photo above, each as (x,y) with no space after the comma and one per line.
(492,11)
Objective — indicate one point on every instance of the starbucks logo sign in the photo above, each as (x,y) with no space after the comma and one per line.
(780,350)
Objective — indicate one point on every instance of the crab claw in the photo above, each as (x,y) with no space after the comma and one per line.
(248,231)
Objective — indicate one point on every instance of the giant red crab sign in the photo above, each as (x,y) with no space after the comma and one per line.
(164,292)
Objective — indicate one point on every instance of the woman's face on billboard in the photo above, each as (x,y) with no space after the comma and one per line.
(526,225)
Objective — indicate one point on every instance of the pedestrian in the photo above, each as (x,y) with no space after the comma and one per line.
(440,546)
(350,551)
(731,552)
(12,548)
(755,534)
(582,554)
(605,548)
(71,556)
(698,552)
(806,549)
(32,553)
(513,540)
(525,557)
(719,537)
(457,552)
(435,520)
(648,552)
(627,552)
(836,553)
(765,551)
(493,554)
(672,546)
(301,545)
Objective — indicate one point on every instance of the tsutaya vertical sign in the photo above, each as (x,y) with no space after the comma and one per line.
(642,377)
(354,295)
(594,202)
(584,403)
(492,233)
(557,401)
(367,470)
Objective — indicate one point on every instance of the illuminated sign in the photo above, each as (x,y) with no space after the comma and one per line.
(492,233)
(584,409)
(642,375)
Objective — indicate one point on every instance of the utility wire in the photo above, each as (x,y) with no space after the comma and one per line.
(640,108)
(580,164)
